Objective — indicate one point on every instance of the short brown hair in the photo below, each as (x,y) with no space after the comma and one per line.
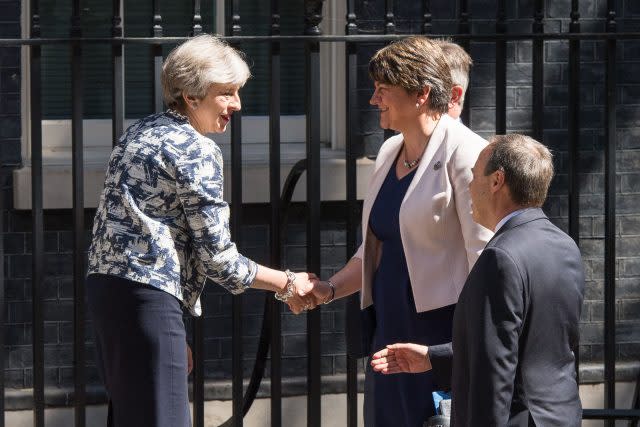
(414,63)
(527,167)
(459,63)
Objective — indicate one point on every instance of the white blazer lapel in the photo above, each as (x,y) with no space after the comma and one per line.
(386,157)
(434,143)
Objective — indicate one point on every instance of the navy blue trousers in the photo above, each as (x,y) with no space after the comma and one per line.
(142,352)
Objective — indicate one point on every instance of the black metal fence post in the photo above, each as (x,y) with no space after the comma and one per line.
(574,123)
(236,222)
(573,148)
(464,27)
(197,325)
(198,371)
(77,152)
(117,74)
(196,28)
(389,18)
(501,70)
(390,28)
(156,51)
(3,311)
(610,216)
(426,17)
(37,227)
(537,86)
(353,302)
(313,17)
(275,229)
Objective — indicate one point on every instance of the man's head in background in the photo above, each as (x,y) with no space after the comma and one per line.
(459,63)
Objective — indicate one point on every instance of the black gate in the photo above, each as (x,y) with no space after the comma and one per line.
(311,39)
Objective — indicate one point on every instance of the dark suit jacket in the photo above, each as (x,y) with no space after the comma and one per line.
(515,329)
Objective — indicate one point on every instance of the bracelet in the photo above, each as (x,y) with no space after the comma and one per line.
(333,292)
(289,288)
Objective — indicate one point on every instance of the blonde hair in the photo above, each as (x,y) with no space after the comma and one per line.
(414,63)
(459,63)
(196,64)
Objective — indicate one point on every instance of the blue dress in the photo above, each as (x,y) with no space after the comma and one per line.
(400,399)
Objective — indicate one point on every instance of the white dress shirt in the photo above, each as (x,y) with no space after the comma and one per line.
(504,220)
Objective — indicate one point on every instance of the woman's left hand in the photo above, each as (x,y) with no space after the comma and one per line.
(189,360)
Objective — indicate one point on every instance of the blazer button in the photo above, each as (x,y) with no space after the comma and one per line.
(438,165)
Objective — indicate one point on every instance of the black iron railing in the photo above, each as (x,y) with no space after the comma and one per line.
(312,38)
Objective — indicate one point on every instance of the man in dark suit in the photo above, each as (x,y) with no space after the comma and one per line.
(515,330)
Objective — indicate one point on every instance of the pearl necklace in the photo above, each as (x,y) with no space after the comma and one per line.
(411,164)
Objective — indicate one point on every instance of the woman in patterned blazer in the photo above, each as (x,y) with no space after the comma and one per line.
(161,229)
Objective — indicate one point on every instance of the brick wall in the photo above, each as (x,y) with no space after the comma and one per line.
(217,303)
(254,243)
(9,85)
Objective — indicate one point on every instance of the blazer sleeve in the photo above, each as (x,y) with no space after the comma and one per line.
(475,236)
(494,313)
(441,358)
(199,183)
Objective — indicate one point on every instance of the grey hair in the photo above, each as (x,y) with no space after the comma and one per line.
(527,167)
(459,62)
(196,64)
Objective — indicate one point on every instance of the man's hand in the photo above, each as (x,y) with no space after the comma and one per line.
(189,360)
(397,358)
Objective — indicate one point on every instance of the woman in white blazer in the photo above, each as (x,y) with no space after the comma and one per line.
(419,239)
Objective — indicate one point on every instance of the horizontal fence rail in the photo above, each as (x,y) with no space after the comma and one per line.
(327,38)
(312,39)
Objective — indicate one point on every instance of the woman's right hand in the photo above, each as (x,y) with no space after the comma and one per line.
(322,292)
(401,358)
(303,298)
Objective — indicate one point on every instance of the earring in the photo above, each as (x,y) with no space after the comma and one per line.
(417,105)
(194,105)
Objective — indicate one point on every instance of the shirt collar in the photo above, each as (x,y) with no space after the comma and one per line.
(504,220)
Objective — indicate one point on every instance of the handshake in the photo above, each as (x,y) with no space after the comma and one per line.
(304,291)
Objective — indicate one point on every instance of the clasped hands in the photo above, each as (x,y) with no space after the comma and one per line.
(309,292)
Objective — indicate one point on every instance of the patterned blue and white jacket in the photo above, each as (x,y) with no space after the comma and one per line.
(161,219)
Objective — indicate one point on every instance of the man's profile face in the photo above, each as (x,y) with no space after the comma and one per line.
(479,190)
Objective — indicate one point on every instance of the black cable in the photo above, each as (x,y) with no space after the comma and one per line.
(265,333)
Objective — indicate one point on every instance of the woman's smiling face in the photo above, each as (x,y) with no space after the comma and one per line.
(397,107)
(212,113)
